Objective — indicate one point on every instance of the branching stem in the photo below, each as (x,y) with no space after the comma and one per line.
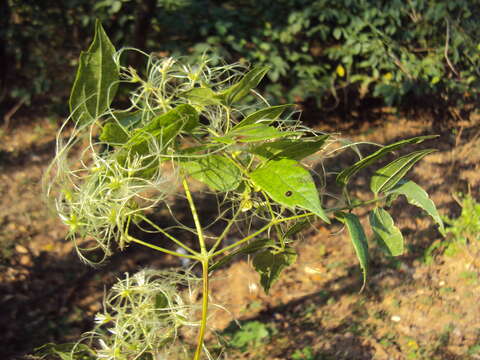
(198,226)
(225,231)
(263,229)
(175,240)
(204,259)
(158,248)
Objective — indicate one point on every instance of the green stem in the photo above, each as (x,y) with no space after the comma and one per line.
(278,221)
(176,241)
(203,323)
(272,214)
(193,209)
(204,258)
(158,248)
(225,231)
(228,122)
(258,232)
(351,207)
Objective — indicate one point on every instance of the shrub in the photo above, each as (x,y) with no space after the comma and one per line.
(332,52)
(199,122)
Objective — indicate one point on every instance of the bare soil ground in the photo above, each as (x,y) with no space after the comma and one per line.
(409,310)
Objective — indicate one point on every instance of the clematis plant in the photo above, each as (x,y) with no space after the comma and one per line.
(190,123)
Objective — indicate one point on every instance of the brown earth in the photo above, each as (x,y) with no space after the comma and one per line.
(409,310)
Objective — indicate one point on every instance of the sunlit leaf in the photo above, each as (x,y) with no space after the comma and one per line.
(215,171)
(114,134)
(417,196)
(164,128)
(346,174)
(387,177)
(97,78)
(250,80)
(264,116)
(359,240)
(184,116)
(387,234)
(270,263)
(289,184)
(259,132)
(117,130)
(291,149)
(202,96)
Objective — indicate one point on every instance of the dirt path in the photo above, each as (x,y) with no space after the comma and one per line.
(410,310)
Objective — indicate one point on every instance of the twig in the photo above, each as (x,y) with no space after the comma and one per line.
(447,41)
(11,112)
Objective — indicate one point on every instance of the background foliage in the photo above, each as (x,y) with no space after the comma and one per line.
(332,52)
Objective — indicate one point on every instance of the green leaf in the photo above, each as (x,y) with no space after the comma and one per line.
(254,133)
(289,184)
(68,351)
(270,263)
(291,149)
(250,80)
(97,78)
(202,96)
(297,227)
(251,334)
(114,134)
(215,171)
(346,174)
(359,240)
(184,117)
(250,248)
(418,197)
(387,234)
(116,131)
(129,120)
(164,128)
(265,116)
(387,177)
(161,301)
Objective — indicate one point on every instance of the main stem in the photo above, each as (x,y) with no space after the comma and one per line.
(203,323)
(204,258)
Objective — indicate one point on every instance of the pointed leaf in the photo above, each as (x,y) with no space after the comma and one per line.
(257,132)
(291,149)
(417,196)
(202,96)
(215,171)
(387,234)
(97,78)
(298,227)
(250,80)
(184,116)
(265,116)
(161,301)
(129,120)
(117,130)
(346,174)
(387,177)
(114,134)
(270,263)
(289,184)
(359,240)
(164,128)
(248,249)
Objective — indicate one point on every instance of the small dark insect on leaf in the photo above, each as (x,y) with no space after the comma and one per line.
(288,193)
